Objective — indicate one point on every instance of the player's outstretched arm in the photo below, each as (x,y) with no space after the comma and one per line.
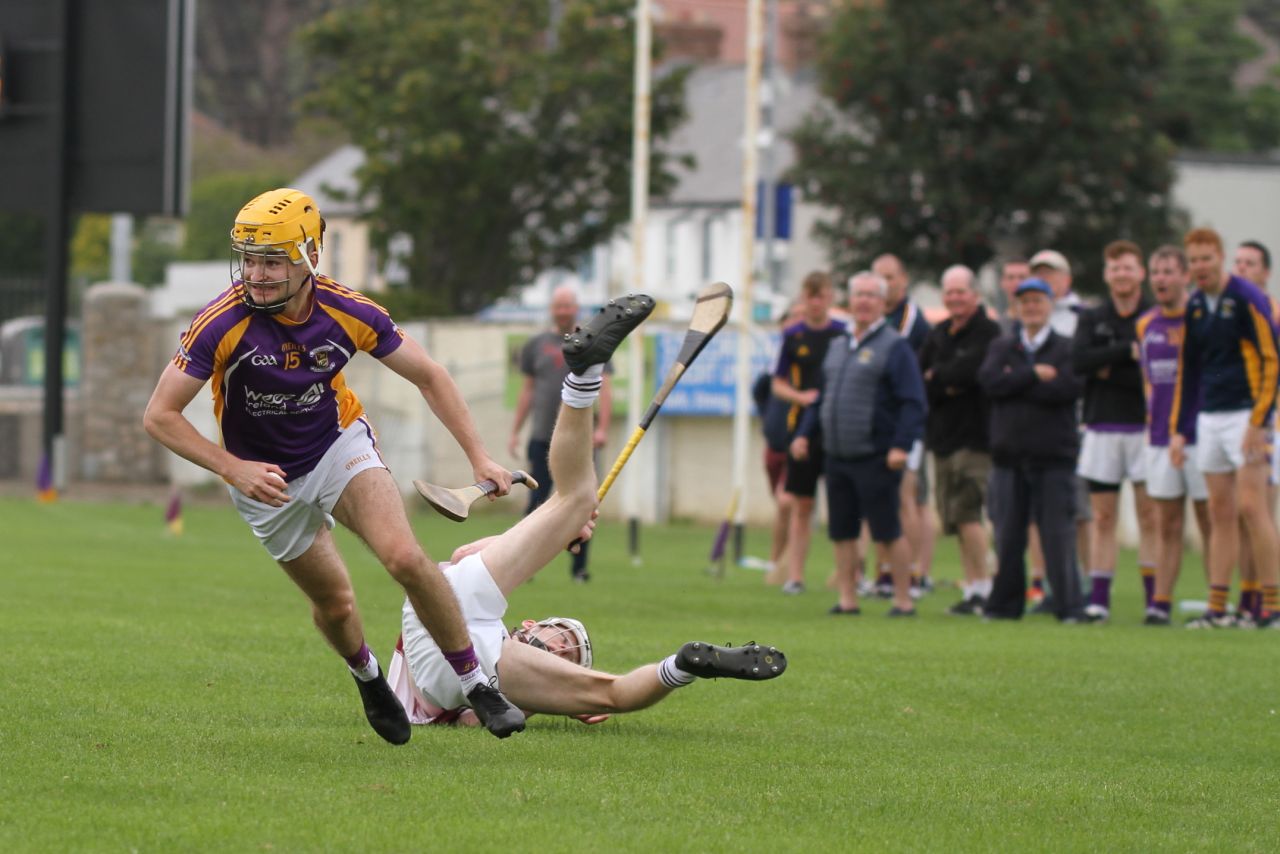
(441,393)
(164,421)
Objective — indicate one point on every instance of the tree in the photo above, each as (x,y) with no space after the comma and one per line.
(1200,105)
(250,74)
(215,201)
(497,155)
(89,255)
(1033,123)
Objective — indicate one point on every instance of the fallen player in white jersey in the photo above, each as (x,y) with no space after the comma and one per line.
(546,666)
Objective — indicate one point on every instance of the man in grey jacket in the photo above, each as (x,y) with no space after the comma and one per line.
(871,409)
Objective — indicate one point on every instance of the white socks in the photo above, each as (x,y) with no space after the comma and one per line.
(977,588)
(672,676)
(581,391)
(368,672)
(473,677)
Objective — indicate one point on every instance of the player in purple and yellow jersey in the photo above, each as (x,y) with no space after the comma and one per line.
(1229,368)
(795,382)
(1252,263)
(1160,335)
(297,451)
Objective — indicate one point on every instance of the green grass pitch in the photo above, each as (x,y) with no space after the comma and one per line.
(170,694)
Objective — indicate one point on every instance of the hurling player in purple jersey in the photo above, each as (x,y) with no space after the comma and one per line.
(1253,264)
(297,451)
(1160,334)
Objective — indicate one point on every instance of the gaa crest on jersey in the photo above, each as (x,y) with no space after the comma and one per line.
(321,361)
(1228,307)
(865,356)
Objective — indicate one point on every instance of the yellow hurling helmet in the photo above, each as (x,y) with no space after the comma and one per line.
(279,222)
(282,220)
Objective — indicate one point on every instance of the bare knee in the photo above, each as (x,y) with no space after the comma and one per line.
(406,563)
(334,609)
(1252,505)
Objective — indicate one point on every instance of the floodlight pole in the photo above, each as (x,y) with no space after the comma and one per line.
(55,244)
(745,304)
(639,222)
(768,103)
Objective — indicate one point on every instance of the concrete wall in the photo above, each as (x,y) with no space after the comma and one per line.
(119,347)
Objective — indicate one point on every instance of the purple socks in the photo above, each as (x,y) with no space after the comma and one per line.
(1100,589)
(361,659)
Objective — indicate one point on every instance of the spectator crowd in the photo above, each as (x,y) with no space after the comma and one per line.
(1035,417)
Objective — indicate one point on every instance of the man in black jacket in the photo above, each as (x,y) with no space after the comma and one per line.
(956,429)
(1105,355)
(1033,433)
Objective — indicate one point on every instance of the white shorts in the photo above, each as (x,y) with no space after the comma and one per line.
(483,607)
(1112,458)
(1219,437)
(915,457)
(288,531)
(1165,481)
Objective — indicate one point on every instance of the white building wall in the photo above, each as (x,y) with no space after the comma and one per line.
(1239,198)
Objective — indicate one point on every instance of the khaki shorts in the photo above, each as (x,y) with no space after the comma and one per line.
(286,532)
(962,487)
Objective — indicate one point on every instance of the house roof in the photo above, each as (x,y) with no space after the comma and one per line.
(716,103)
(715,99)
(337,171)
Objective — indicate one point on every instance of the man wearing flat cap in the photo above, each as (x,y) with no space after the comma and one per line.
(1034,439)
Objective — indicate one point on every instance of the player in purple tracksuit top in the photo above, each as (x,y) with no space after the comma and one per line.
(298,453)
(1160,335)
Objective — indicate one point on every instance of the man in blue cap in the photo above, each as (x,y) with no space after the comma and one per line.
(1029,381)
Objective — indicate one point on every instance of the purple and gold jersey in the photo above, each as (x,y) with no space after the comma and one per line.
(1160,336)
(1229,356)
(278,390)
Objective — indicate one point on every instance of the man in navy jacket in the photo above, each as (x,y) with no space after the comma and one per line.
(871,410)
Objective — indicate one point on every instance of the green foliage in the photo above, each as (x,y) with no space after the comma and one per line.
(90,251)
(155,247)
(1198,103)
(251,73)
(172,695)
(498,156)
(976,122)
(215,201)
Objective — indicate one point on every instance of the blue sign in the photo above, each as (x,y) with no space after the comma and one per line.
(782,197)
(707,387)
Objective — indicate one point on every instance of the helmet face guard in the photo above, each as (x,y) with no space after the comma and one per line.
(281,223)
(568,635)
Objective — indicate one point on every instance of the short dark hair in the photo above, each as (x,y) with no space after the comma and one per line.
(815,283)
(1118,248)
(1170,251)
(1262,250)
